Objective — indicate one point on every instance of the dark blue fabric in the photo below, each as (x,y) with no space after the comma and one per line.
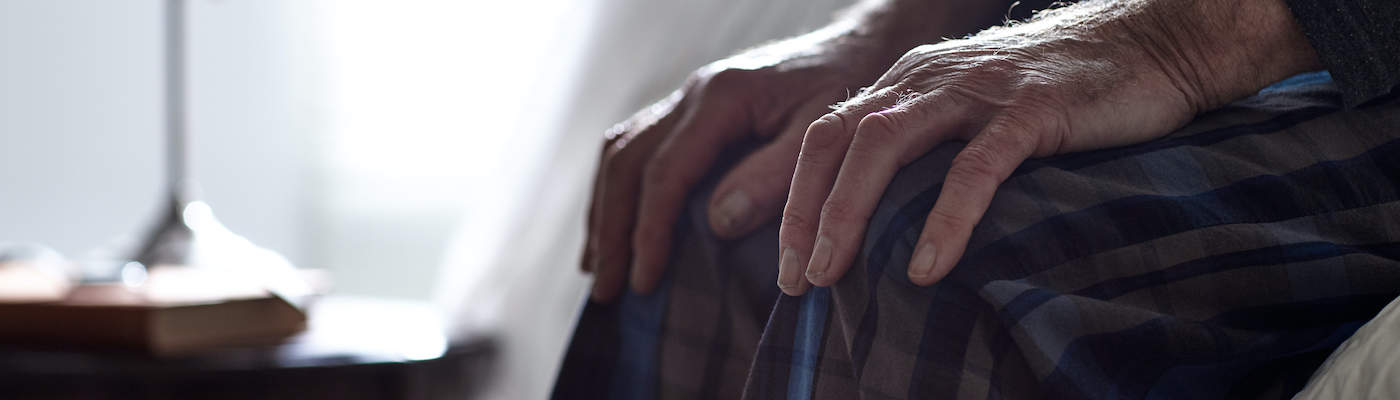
(1223,261)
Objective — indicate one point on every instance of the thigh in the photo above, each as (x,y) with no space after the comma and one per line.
(1225,260)
(696,335)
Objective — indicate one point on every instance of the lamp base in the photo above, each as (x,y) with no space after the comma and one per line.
(189,236)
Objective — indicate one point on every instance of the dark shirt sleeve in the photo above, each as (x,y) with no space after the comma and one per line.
(1358,41)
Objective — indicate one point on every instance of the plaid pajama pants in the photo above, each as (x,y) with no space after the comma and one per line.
(1226,260)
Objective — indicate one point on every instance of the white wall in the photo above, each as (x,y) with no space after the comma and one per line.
(80,119)
(362,136)
(630,53)
(352,135)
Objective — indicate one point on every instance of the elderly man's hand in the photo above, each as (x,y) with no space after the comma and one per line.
(651,162)
(1088,76)
(772,93)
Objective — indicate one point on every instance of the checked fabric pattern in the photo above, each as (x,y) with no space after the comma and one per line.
(1226,260)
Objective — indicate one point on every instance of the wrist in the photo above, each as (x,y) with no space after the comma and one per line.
(1225,50)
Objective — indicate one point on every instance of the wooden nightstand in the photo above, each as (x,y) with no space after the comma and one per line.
(353,348)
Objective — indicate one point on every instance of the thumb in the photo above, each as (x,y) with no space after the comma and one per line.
(753,192)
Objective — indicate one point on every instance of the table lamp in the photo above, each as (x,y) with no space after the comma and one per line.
(187,235)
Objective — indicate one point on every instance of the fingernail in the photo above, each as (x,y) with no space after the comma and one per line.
(921,265)
(821,259)
(788,270)
(733,210)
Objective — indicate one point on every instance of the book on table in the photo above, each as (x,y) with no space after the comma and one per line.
(176,311)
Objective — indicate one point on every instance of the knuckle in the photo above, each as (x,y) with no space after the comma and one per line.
(825,132)
(1019,133)
(1039,130)
(658,172)
(976,163)
(1006,67)
(625,160)
(615,166)
(1018,121)
(796,222)
(919,52)
(730,80)
(879,128)
(665,176)
(925,76)
(836,210)
(1032,82)
(948,221)
(872,97)
(875,136)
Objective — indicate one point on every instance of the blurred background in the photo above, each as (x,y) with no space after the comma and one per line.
(427,150)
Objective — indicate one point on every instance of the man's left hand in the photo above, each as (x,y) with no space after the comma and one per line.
(1089,76)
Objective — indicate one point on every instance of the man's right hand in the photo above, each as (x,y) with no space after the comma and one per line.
(651,162)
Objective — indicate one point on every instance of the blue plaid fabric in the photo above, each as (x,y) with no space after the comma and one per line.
(1224,261)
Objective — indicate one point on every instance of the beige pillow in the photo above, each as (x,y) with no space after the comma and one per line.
(1363,367)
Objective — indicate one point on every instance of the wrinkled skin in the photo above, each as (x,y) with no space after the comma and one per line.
(651,161)
(768,94)
(1088,76)
(1093,75)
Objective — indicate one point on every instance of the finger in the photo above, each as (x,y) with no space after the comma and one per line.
(620,180)
(660,118)
(967,191)
(678,164)
(823,147)
(610,256)
(883,142)
(590,240)
(752,193)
